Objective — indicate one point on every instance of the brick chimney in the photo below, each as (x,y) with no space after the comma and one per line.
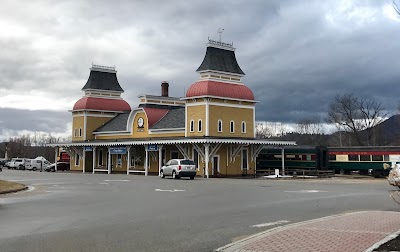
(164,88)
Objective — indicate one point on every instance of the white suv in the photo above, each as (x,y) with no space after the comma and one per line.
(178,168)
(17,163)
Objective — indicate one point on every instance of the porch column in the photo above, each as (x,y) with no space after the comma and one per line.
(160,159)
(128,161)
(283,161)
(94,159)
(146,170)
(109,161)
(84,160)
(206,157)
(55,158)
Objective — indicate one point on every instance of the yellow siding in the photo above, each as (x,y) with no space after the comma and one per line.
(226,114)
(195,113)
(77,123)
(92,123)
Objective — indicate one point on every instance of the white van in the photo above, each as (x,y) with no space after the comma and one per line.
(36,164)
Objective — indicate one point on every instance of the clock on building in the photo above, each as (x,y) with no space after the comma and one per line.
(140,122)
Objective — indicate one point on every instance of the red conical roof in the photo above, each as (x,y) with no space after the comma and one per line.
(95,103)
(220,89)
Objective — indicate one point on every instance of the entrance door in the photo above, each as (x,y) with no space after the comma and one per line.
(215,164)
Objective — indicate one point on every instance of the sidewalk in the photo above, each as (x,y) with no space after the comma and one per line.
(360,231)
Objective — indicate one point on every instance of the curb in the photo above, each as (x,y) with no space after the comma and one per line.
(280,228)
(14,191)
(383,241)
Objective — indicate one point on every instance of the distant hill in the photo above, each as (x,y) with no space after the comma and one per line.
(388,132)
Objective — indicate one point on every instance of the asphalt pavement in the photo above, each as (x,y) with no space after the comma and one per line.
(100,212)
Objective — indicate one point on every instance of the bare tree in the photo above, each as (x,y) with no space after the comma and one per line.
(354,114)
(396,7)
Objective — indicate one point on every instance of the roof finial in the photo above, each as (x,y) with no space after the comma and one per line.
(220,31)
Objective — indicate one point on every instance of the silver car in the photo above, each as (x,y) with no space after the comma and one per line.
(178,168)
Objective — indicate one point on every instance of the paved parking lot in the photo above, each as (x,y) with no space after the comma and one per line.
(86,212)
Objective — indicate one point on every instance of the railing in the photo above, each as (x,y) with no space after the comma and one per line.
(297,172)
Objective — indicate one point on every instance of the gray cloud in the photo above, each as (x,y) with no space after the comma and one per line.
(296,55)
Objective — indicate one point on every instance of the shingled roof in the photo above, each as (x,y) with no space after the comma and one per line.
(220,60)
(103,80)
(118,123)
(175,118)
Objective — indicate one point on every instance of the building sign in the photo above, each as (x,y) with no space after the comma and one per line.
(152,147)
(88,148)
(118,150)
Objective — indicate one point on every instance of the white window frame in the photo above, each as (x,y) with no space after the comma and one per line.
(77,159)
(247,158)
(232,126)
(219,122)
(191,126)
(199,125)
(243,128)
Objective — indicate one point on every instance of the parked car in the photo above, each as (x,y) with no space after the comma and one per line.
(61,166)
(7,164)
(17,163)
(3,162)
(36,164)
(178,168)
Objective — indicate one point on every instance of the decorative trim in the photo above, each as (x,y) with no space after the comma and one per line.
(218,97)
(207,119)
(219,104)
(93,115)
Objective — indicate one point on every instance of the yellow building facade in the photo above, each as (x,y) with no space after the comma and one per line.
(213,124)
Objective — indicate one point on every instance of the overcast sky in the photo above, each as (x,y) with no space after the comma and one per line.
(297,55)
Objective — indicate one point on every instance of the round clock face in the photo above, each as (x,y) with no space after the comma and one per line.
(140,122)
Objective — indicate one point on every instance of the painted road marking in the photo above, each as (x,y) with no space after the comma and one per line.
(116,180)
(305,191)
(175,190)
(271,223)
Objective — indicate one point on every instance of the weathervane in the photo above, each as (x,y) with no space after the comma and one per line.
(220,31)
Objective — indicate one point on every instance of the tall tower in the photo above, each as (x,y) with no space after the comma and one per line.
(219,104)
(101,102)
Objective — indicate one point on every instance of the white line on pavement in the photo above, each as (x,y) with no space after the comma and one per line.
(271,223)
(305,191)
(117,180)
(175,190)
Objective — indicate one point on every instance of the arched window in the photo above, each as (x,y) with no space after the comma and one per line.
(232,127)
(219,125)
(191,125)
(80,132)
(243,127)
(199,126)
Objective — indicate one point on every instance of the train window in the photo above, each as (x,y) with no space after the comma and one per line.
(353,158)
(365,157)
(386,158)
(377,158)
(332,157)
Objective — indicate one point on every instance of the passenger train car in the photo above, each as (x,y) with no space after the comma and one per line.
(376,160)
(365,160)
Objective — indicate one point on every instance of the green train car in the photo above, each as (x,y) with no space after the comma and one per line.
(364,160)
(295,158)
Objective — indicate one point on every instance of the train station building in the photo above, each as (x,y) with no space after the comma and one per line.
(214,124)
